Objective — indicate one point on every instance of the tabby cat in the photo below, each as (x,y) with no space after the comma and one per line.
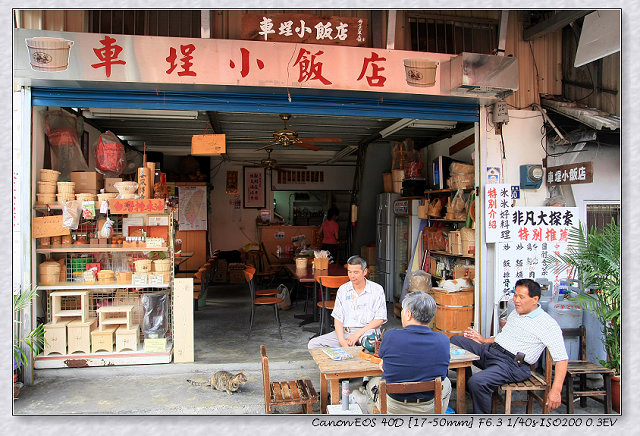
(224,381)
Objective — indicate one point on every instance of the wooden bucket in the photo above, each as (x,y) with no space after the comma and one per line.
(454,311)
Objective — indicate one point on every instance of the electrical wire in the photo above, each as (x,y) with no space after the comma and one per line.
(593,83)
(535,65)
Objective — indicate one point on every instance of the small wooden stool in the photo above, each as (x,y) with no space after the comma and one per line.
(81,309)
(128,339)
(55,335)
(79,335)
(102,340)
(104,318)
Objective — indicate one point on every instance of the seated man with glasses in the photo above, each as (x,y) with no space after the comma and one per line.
(414,353)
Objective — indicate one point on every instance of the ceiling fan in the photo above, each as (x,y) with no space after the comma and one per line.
(287,137)
(272,164)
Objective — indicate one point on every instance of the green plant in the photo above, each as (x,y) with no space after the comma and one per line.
(34,340)
(594,258)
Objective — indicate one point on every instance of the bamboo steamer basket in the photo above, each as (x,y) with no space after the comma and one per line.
(47,188)
(46,198)
(49,272)
(454,312)
(106,196)
(143,265)
(106,276)
(162,265)
(49,175)
(66,187)
(63,198)
(86,197)
(123,277)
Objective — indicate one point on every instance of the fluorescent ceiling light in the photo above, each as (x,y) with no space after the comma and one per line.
(139,113)
(433,124)
(416,123)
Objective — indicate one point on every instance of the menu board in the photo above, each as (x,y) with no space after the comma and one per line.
(525,260)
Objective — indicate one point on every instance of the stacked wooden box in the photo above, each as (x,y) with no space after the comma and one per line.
(71,329)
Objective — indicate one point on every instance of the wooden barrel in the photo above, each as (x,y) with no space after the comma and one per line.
(454,311)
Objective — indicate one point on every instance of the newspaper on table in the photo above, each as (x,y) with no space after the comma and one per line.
(337,353)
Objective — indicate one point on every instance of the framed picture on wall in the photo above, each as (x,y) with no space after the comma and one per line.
(253,189)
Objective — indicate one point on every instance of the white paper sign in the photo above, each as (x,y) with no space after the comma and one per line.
(536,224)
(156,279)
(139,279)
(518,260)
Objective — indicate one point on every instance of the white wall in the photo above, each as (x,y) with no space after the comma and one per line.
(606,186)
(522,136)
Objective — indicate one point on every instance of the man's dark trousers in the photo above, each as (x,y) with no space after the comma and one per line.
(497,369)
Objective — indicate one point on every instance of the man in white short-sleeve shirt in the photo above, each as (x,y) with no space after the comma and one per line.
(506,357)
(360,309)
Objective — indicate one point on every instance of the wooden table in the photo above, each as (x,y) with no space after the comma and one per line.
(332,371)
(179,260)
(307,275)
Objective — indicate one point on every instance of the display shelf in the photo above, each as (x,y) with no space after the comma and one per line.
(444,220)
(97,249)
(114,304)
(445,191)
(56,206)
(83,285)
(445,253)
(77,360)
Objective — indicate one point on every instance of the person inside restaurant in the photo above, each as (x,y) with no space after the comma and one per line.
(412,354)
(329,233)
(507,357)
(360,309)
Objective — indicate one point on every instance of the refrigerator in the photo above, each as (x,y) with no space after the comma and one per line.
(385,234)
(407,228)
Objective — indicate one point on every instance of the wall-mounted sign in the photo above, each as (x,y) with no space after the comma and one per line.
(138,205)
(525,260)
(232,182)
(308,29)
(299,177)
(570,174)
(254,188)
(44,226)
(104,58)
(506,223)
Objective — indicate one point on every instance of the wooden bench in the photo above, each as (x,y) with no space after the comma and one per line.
(537,387)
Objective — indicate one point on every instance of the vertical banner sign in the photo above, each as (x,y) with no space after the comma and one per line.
(498,201)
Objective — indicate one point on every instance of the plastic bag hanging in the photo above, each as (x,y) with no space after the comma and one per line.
(110,155)
(71,212)
(63,132)
(107,228)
